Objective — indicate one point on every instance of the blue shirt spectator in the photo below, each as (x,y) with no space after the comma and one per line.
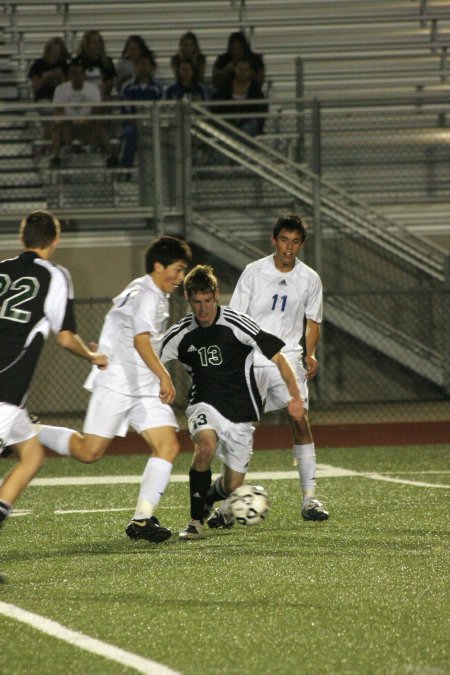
(186,85)
(142,87)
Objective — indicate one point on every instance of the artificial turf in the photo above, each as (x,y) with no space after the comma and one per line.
(365,592)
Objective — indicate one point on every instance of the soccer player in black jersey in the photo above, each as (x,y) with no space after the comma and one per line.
(216,346)
(36,297)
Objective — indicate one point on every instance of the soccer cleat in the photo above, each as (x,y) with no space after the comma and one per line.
(147,528)
(208,510)
(220,519)
(193,530)
(312,509)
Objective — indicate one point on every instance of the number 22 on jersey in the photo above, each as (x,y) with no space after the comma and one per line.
(24,289)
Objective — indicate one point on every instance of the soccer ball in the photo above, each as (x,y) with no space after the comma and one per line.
(249,504)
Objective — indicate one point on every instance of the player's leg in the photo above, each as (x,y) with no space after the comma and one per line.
(205,424)
(156,423)
(205,442)
(305,455)
(17,430)
(106,417)
(235,448)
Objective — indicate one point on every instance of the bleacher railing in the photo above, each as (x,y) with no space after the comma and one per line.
(387,291)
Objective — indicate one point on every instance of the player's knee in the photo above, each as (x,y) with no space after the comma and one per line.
(204,452)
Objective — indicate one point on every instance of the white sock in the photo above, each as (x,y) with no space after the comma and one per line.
(56,438)
(306,457)
(153,485)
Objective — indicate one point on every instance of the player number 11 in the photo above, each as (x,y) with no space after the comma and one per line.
(283,299)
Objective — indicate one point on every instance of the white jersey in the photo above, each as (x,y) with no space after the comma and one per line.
(142,307)
(279,301)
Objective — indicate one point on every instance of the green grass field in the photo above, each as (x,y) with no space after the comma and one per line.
(365,592)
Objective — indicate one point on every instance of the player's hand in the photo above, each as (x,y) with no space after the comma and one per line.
(167,391)
(296,409)
(311,366)
(99,360)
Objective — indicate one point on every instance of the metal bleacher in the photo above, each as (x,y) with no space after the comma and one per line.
(328,35)
(338,52)
(373,67)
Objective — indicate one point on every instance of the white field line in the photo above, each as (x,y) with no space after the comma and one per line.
(323,471)
(85,642)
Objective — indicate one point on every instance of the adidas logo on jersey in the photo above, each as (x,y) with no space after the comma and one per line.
(192,348)
(282,283)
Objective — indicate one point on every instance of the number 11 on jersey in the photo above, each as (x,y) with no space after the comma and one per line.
(283,299)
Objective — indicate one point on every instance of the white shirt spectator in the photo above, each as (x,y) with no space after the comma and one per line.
(66,94)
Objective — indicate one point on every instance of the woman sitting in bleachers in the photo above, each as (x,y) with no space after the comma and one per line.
(186,85)
(49,70)
(241,88)
(99,66)
(189,50)
(134,47)
(238,48)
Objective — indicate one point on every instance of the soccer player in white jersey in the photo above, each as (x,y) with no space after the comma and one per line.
(136,389)
(36,297)
(217,345)
(279,292)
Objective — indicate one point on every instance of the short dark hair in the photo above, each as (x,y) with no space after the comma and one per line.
(39,229)
(290,222)
(200,279)
(166,250)
(77,61)
(147,55)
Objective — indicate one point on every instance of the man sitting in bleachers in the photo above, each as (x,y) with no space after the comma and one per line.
(83,128)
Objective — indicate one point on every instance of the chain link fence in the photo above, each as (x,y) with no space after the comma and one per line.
(386,334)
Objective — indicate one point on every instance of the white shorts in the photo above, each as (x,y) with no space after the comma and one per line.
(15,425)
(110,413)
(273,388)
(235,444)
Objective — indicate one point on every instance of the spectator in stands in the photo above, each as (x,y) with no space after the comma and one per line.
(143,87)
(238,48)
(240,85)
(134,47)
(98,65)
(186,85)
(49,70)
(82,129)
(189,50)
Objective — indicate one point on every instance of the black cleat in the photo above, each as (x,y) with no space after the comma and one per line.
(148,529)
(312,509)
(220,519)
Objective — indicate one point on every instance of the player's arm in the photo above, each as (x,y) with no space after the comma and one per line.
(240,300)
(295,405)
(145,350)
(74,344)
(312,335)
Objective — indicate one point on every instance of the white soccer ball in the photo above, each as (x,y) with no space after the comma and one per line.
(249,504)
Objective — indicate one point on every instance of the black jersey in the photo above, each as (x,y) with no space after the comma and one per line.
(219,359)
(36,296)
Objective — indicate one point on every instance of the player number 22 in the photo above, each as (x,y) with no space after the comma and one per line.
(283,299)
(23,289)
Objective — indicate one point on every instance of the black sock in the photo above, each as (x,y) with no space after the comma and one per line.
(199,482)
(5,510)
(215,493)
